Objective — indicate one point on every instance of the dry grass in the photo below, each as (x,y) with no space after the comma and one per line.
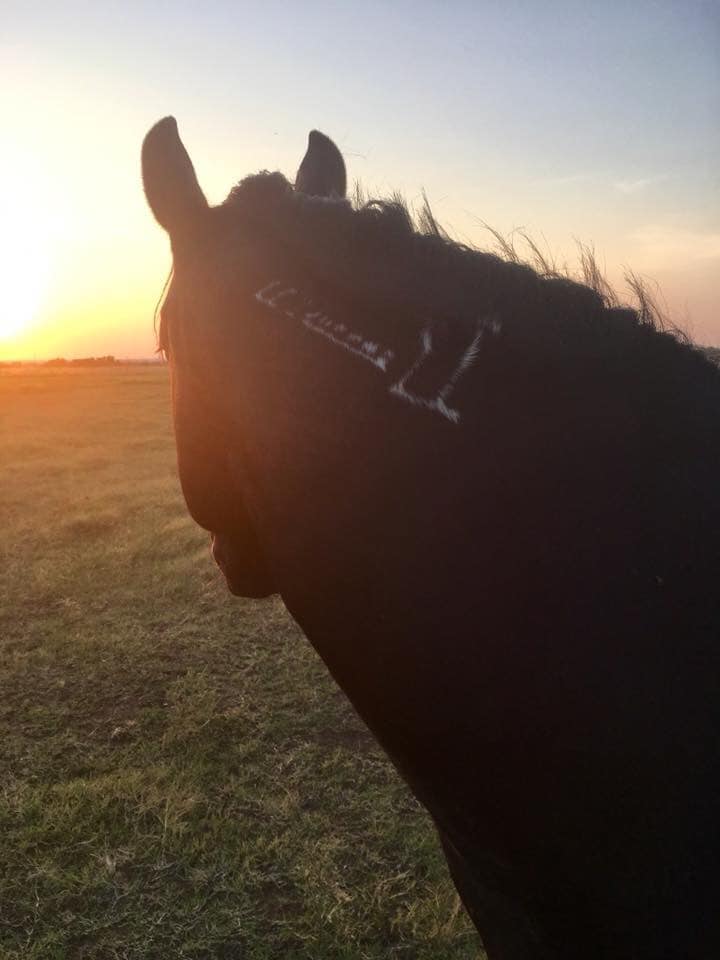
(178,776)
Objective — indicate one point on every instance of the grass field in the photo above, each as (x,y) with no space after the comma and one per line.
(179,778)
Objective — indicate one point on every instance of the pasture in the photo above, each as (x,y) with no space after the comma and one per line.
(179,777)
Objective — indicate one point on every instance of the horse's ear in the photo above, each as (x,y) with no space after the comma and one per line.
(171,187)
(322,171)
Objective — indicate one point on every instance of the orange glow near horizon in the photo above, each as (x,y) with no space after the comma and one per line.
(82,262)
(25,250)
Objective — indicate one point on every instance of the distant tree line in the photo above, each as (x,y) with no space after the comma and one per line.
(106,361)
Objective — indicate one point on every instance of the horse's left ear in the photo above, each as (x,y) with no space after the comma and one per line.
(171,187)
(322,171)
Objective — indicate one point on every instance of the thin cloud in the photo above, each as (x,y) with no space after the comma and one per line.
(624,186)
(636,186)
(666,245)
(567,180)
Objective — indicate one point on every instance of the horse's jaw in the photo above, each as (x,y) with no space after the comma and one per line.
(246,576)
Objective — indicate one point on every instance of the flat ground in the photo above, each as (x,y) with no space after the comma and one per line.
(179,777)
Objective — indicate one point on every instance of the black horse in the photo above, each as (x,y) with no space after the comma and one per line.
(492,502)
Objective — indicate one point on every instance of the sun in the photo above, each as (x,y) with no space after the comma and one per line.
(29,234)
(24,264)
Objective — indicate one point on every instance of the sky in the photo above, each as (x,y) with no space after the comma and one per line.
(573,121)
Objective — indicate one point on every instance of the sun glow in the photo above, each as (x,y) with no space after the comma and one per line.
(25,259)
(33,222)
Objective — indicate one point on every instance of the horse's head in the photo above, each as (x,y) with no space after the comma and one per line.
(490,501)
(216,262)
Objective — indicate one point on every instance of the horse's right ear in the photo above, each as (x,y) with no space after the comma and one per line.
(322,171)
(171,187)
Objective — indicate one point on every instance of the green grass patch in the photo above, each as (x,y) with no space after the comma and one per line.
(179,777)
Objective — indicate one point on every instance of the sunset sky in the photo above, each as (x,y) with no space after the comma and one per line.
(572,120)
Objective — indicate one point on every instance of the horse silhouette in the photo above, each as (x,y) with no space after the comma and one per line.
(490,500)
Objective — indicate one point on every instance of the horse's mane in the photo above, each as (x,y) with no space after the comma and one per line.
(377,248)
